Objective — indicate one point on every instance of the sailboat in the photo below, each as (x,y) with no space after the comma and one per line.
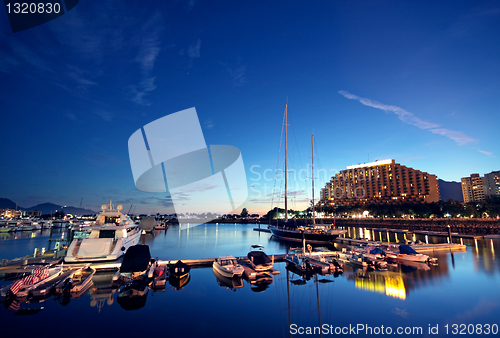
(291,231)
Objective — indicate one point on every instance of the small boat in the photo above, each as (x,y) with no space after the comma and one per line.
(357,260)
(161,226)
(78,280)
(227,266)
(179,269)
(160,278)
(22,287)
(258,258)
(407,253)
(374,256)
(299,262)
(137,265)
(47,288)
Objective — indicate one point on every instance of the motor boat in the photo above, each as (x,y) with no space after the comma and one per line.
(299,262)
(259,261)
(137,265)
(160,278)
(227,266)
(22,287)
(407,253)
(178,270)
(79,280)
(357,260)
(108,238)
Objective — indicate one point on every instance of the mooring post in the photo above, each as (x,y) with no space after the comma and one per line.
(449,233)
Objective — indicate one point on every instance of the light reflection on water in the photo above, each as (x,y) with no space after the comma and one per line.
(463,288)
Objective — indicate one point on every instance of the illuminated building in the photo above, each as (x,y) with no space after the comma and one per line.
(380,182)
(476,188)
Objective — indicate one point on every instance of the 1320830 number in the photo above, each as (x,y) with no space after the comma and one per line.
(471,329)
(32,8)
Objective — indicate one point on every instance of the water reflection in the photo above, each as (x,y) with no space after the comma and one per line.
(414,294)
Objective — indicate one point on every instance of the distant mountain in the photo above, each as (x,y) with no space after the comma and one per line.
(50,208)
(45,208)
(450,190)
(6,203)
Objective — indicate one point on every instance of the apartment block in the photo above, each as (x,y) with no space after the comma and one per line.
(476,188)
(380,182)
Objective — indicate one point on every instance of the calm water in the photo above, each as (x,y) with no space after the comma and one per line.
(464,288)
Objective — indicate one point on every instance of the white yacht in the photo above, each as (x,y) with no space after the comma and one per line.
(108,238)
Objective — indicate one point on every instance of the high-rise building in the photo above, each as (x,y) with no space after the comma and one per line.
(492,183)
(476,188)
(380,182)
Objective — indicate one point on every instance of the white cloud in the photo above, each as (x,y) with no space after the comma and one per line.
(409,118)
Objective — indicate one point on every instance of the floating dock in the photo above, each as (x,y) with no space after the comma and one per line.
(416,247)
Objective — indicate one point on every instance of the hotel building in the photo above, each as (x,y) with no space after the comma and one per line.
(380,182)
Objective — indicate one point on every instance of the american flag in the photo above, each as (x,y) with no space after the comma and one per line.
(36,275)
(16,286)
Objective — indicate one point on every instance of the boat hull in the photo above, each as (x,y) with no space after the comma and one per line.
(310,236)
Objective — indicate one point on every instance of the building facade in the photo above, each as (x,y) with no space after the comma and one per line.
(492,183)
(380,182)
(476,188)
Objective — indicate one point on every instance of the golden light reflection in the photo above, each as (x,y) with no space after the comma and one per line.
(392,286)
(492,248)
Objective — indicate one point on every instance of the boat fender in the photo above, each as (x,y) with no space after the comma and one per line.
(123,248)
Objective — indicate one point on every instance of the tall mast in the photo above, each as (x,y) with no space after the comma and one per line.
(286,165)
(313,216)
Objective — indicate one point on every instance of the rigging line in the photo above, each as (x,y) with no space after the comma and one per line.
(277,164)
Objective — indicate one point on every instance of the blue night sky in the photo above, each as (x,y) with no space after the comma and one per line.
(417,82)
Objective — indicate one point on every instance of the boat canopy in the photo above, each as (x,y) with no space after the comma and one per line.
(406,250)
(376,251)
(136,258)
(258,257)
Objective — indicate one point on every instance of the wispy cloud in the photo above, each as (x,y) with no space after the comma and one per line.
(457,136)
(489,153)
(194,50)
(409,118)
(237,74)
(402,114)
(148,43)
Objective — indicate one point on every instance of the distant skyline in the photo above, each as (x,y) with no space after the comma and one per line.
(416,82)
